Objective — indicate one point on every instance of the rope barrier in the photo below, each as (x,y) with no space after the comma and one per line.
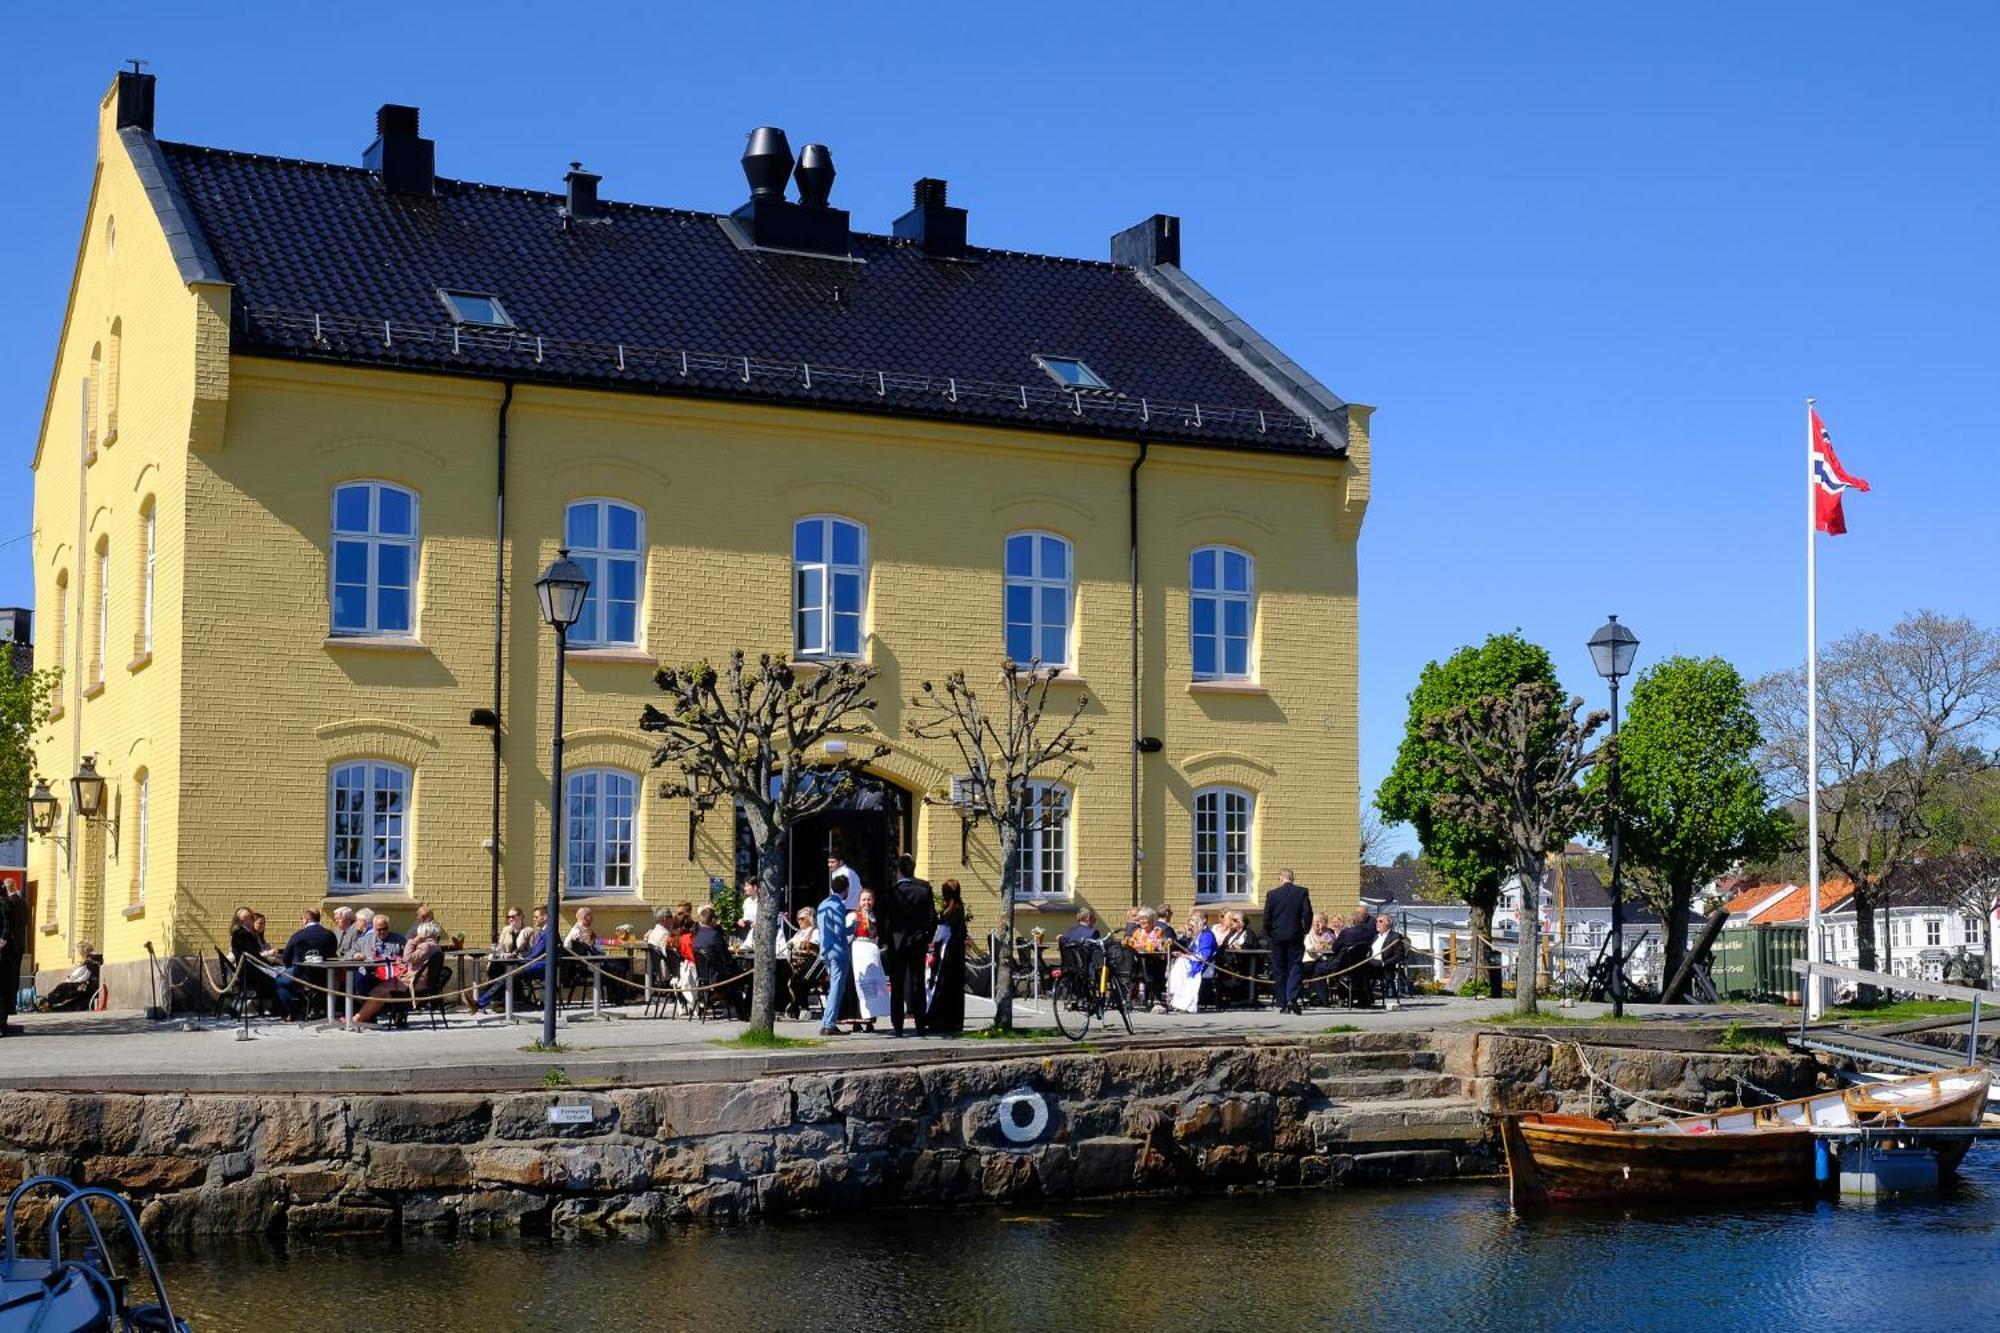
(408,997)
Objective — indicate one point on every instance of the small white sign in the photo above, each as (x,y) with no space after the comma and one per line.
(572,1115)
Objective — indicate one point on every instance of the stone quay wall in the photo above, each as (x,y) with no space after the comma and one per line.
(1121,1121)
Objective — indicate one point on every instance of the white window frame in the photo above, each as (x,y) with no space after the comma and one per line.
(597,845)
(374,540)
(373,775)
(1216,879)
(1222,600)
(1037,581)
(151,524)
(596,558)
(1933,932)
(827,572)
(1047,851)
(141,799)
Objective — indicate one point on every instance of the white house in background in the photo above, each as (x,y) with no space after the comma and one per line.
(1575,942)
(1914,937)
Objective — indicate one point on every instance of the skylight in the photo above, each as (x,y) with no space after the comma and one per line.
(476,308)
(1070,372)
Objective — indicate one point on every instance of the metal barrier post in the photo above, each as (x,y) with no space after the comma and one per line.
(1805,1008)
(596,993)
(1972,1037)
(510,994)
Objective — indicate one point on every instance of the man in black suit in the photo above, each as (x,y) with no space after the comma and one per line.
(13,947)
(310,943)
(1288,914)
(909,918)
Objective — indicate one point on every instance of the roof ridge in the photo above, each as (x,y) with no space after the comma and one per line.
(557,197)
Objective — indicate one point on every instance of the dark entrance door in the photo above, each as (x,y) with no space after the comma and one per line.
(869,829)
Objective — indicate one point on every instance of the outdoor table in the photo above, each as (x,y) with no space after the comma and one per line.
(462,956)
(506,961)
(336,967)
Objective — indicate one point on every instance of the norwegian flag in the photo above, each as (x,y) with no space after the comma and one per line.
(1829,481)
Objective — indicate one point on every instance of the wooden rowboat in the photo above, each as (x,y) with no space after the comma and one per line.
(1766,1151)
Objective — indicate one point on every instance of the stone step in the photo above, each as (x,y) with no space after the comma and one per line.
(1338,1064)
(1411,1120)
(1342,1043)
(1409,1085)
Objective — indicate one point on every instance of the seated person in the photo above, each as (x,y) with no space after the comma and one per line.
(75,991)
(1319,954)
(512,945)
(1166,914)
(582,937)
(1150,946)
(1185,977)
(1234,964)
(1350,949)
(531,965)
(801,953)
(246,952)
(407,975)
(1386,954)
(297,981)
(1084,930)
(710,949)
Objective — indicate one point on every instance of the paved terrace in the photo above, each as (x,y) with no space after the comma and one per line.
(114,1052)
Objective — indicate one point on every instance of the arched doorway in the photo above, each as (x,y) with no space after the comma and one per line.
(870,827)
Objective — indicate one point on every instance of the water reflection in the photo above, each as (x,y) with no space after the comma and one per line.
(1430,1257)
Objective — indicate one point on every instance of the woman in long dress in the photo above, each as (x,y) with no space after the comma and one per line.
(947,987)
(1185,976)
(871,979)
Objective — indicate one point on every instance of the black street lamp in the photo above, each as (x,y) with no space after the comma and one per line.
(86,789)
(562,589)
(43,809)
(1612,649)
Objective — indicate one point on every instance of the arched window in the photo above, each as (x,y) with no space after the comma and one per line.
(148,550)
(101,639)
(93,403)
(374,558)
(1041,582)
(1221,601)
(367,826)
(1222,822)
(113,354)
(830,582)
(1045,842)
(608,539)
(141,801)
(599,808)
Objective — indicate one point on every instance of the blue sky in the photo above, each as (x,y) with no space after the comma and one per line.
(1586,259)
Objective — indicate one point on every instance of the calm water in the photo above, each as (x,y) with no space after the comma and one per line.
(1430,1257)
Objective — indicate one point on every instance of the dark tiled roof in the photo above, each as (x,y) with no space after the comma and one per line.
(321,256)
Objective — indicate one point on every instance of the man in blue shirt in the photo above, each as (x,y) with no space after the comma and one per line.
(831,919)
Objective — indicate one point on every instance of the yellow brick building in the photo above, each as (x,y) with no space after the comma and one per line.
(313,430)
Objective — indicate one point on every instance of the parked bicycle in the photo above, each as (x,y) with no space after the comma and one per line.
(1096,979)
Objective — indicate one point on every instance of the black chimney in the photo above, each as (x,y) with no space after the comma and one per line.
(135,100)
(582,203)
(774,222)
(939,231)
(16,624)
(1153,242)
(406,162)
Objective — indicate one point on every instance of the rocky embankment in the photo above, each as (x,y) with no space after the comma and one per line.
(1075,1124)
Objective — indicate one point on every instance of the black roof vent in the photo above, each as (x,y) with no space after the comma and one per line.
(772,222)
(938,230)
(767,162)
(582,203)
(815,175)
(135,99)
(406,162)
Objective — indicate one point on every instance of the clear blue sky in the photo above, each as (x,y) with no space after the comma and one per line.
(1586,259)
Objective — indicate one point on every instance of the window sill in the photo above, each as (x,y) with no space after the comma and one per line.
(816,664)
(380,643)
(94,689)
(1226,687)
(140,663)
(55,711)
(49,928)
(631,656)
(110,438)
(134,912)
(1058,905)
(367,898)
(1067,677)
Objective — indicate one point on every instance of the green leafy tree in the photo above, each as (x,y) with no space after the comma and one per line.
(1471,861)
(1691,801)
(24,710)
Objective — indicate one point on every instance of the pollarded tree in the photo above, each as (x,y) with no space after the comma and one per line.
(25,701)
(1018,763)
(753,736)
(1691,802)
(1470,861)
(1515,762)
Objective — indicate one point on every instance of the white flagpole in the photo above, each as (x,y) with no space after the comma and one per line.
(1815,990)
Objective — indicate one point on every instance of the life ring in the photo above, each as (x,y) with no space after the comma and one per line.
(1024,1116)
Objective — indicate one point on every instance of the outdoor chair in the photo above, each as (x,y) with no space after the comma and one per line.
(432,1001)
(663,972)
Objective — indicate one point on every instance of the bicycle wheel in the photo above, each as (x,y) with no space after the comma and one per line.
(1071,1007)
(1118,1000)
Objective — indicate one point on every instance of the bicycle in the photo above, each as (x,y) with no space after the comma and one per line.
(1090,985)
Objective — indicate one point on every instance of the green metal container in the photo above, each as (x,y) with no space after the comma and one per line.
(1754,962)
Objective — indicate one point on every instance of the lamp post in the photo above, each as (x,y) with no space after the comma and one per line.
(562,589)
(1612,649)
